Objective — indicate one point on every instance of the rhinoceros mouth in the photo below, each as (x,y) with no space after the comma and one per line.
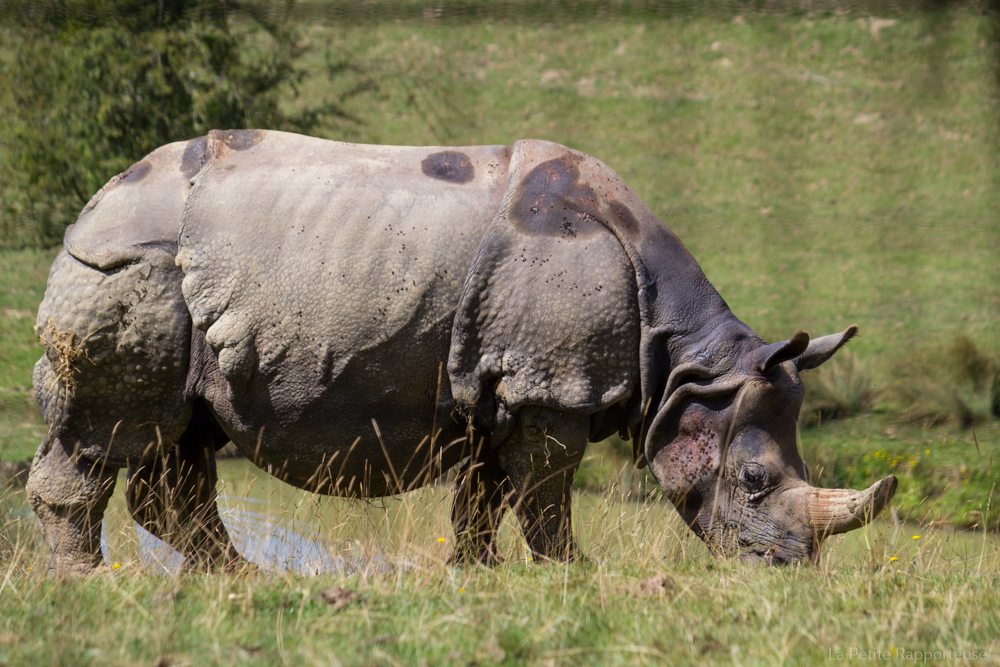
(777,554)
(764,557)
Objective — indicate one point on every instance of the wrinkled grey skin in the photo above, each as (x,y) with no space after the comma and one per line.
(360,319)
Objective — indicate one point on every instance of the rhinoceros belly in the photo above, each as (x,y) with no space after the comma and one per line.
(326,277)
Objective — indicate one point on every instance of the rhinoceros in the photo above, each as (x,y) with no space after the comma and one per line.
(360,319)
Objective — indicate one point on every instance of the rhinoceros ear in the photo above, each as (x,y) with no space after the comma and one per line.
(769,356)
(822,348)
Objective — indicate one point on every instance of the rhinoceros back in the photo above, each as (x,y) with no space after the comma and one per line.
(326,276)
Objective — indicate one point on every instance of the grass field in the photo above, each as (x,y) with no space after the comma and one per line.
(648,593)
(22,277)
(824,171)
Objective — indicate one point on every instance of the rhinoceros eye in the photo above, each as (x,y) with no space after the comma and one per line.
(753,478)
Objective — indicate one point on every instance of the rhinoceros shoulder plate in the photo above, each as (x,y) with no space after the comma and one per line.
(549,313)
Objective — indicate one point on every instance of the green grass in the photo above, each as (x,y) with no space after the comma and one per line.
(820,175)
(516,615)
(879,588)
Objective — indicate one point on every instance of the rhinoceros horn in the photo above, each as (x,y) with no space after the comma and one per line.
(833,511)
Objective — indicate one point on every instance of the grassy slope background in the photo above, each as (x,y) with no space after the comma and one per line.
(823,171)
(648,594)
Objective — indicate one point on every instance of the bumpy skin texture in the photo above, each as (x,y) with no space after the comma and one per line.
(116,346)
(69,494)
(358,319)
(113,383)
(113,323)
(570,231)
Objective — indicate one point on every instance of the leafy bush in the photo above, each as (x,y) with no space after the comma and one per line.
(956,383)
(92,87)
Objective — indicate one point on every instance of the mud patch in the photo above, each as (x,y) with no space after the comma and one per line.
(62,345)
(337,597)
(451,166)
(661,584)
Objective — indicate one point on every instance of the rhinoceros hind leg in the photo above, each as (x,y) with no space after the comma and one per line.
(69,494)
(540,459)
(173,496)
(480,501)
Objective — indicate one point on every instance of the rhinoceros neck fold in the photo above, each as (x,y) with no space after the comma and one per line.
(683,317)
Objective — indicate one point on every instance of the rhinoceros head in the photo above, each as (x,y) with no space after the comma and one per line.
(723,447)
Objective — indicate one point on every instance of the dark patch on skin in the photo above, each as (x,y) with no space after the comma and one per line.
(239,140)
(451,166)
(553,202)
(194,156)
(121,315)
(136,172)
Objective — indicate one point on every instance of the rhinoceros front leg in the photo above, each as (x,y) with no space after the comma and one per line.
(541,459)
(69,494)
(173,496)
(480,501)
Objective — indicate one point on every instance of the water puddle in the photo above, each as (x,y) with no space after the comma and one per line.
(256,513)
(263,540)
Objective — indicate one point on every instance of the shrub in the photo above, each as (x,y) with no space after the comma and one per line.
(956,383)
(842,387)
(92,87)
